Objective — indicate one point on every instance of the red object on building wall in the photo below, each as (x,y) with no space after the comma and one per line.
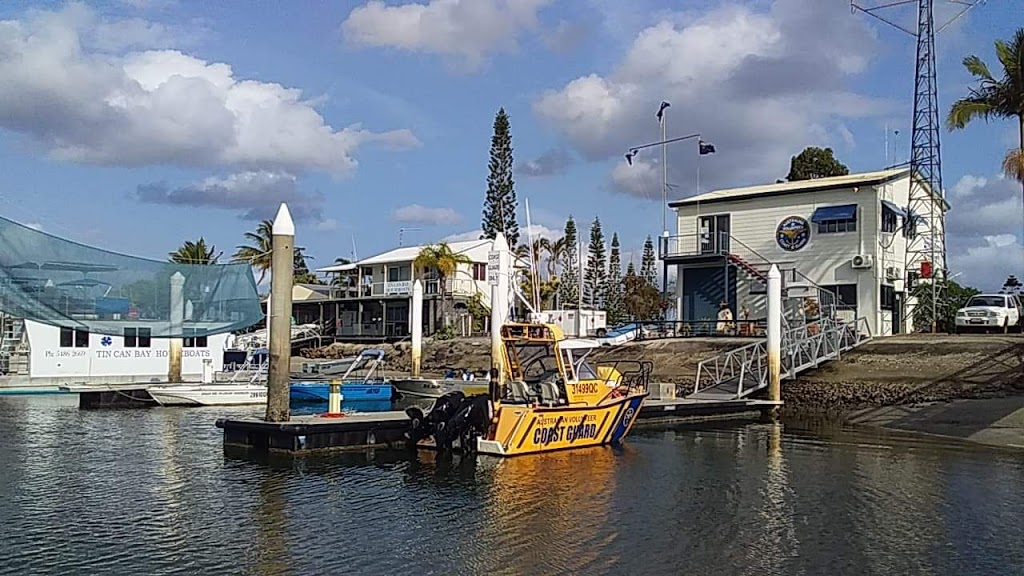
(926,269)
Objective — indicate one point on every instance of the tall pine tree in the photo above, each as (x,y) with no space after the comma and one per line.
(595,275)
(649,264)
(500,204)
(613,287)
(569,282)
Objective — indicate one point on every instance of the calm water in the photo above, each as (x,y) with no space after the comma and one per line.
(151,492)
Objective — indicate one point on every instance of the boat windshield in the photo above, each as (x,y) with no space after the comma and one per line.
(532,361)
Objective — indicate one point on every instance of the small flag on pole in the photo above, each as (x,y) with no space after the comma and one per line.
(661,109)
(706,147)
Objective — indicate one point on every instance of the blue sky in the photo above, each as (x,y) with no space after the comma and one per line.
(135,125)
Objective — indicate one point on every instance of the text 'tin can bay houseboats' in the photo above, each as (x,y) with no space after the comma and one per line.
(554,399)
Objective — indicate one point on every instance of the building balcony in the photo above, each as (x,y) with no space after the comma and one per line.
(684,247)
(400,288)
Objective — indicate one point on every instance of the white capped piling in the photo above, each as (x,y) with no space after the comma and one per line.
(177,315)
(774,334)
(498,269)
(282,264)
(417,327)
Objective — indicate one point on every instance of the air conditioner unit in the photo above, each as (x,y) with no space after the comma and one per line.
(893,273)
(861,261)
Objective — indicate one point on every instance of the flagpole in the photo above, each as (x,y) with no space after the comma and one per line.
(664,170)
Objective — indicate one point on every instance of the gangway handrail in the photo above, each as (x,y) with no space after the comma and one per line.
(802,347)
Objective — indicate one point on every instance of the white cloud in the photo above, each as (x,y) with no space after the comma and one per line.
(254,195)
(537,230)
(68,86)
(642,178)
(760,84)
(417,214)
(468,30)
(983,230)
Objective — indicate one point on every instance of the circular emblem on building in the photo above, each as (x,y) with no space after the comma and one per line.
(793,233)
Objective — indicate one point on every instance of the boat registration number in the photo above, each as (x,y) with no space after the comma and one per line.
(586,388)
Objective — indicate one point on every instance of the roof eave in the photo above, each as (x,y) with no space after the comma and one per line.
(811,188)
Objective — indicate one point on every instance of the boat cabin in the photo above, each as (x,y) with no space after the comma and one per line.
(547,368)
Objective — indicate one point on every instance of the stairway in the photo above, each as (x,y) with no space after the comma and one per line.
(11,332)
(748,267)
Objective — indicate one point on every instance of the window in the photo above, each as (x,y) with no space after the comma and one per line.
(479,271)
(74,338)
(890,221)
(843,296)
(836,226)
(887,298)
(835,219)
(137,337)
(194,341)
(991,301)
(399,273)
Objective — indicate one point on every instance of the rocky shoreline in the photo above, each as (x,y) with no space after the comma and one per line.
(675,360)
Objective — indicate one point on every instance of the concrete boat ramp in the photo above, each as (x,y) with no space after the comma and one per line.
(362,431)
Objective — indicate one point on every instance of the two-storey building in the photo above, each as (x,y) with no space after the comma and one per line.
(372,298)
(852,243)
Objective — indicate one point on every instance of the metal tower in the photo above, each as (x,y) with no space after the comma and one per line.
(926,248)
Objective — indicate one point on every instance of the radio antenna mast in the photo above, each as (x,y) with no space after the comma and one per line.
(927,247)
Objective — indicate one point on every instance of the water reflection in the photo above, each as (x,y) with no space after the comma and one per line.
(152,491)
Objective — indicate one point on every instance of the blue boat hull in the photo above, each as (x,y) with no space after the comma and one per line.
(350,392)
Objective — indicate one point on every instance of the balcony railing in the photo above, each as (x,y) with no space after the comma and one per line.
(455,286)
(716,244)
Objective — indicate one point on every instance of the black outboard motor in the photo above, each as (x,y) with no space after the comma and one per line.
(472,419)
(452,416)
(427,425)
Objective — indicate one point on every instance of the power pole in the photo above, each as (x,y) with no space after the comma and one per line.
(926,248)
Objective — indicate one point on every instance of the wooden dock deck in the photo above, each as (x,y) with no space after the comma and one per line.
(372,430)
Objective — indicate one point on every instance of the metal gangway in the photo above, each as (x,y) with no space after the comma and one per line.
(743,371)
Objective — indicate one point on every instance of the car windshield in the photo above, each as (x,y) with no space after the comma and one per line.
(998,301)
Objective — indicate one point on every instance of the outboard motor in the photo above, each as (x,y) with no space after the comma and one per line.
(452,416)
(429,424)
(473,419)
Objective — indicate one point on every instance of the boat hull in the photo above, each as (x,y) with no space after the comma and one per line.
(523,429)
(209,395)
(350,392)
(429,388)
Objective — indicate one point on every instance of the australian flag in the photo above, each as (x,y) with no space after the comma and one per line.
(706,147)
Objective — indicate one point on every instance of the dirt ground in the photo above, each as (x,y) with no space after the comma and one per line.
(675,360)
(912,369)
(894,371)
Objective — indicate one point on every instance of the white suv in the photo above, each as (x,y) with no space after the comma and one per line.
(988,311)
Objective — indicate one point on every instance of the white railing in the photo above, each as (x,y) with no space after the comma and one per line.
(802,347)
(455,286)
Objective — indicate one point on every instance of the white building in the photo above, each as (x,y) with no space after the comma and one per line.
(843,241)
(372,298)
(35,354)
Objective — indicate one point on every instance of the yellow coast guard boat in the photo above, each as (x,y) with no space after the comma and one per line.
(553,399)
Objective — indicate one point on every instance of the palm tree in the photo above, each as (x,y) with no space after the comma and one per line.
(996,97)
(1013,164)
(445,263)
(258,253)
(555,251)
(533,253)
(341,279)
(194,253)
